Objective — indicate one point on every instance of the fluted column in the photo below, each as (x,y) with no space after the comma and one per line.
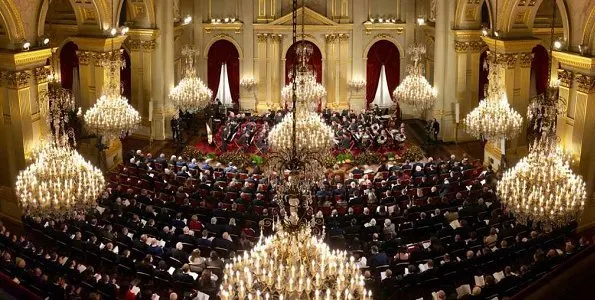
(276,78)
(142,44)
(332,71)
(260,72)
(162,72)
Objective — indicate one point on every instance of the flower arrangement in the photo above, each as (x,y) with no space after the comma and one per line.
(191,152)
(368,158)
(344,157)
(413,153)
(237,158)
(257,160)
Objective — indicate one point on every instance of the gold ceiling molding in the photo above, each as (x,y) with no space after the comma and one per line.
(398,27)
(14,22)
(575,61)
(585,83)
(97,44)
(565,77)
(24,60)
(16,79)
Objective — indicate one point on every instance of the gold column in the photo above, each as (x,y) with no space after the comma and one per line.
(344,71)
(332,71)
(468,51)
(275,76)
(566,78)
(40,108)
(142,43)
(260,73)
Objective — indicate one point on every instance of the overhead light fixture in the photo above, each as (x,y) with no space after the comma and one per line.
(558,44)
(124,30)
(497,33)
(187,20)
(421,21)
(485,31)
(113,31)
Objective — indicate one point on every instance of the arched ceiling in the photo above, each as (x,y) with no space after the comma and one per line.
(61,12)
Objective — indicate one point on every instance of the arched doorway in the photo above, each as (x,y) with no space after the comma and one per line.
(224,52)
(126,76)
(382,53)
(69,65)
(539,69)
(315,60)
(484,69)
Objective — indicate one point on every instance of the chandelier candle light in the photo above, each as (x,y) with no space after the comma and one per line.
(60,180)
(494,119)
(112,116)
(542,187)
(415,90)
(191,95)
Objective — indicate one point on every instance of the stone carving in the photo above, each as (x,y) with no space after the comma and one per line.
(141,45)
(565,77)
(506,59)
(433,11)
(262,37)
(525,59)
(17,80)
(276,37)
(473,46)
(585,83)
(42,74)
(330,38)
(85,57)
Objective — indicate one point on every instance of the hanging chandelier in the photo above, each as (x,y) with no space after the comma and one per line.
(312,133)
(308,91)
(191,94)
(415,90)
(60,180)
(294,263)
(542,187)
(112,116)
(493,119)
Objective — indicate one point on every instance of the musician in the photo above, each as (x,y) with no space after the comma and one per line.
(382,138)
(435,129)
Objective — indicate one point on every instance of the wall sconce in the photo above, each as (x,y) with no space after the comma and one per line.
(26,46)
(187,20)
(248,83)
(356,85)
(421,21)
(558,44)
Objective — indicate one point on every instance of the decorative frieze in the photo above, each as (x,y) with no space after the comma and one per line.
(465,46)
(16,80)
(141,45)
(42,74)
(585,83)
(506,59)
(85,57)
(525,59)
(565,77)
(330,38)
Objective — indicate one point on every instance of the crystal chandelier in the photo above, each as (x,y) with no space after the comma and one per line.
(294,263)
(312,133)
(415,90)
(112,116)
(59,180)
(541,187)
(191,94)
(308,90)
(493,119)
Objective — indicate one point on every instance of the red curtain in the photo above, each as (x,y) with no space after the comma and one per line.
(126,77)
(68,61)
(382,53)
(224,52)
(315,61)
(483,75)
(539,66)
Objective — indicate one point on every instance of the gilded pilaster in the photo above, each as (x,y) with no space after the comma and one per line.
(566,79)
(277,79)
(142,44)
(40,107)
(332,70)
(260,72)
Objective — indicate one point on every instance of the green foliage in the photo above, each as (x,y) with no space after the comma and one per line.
(211,155)
(257,159)
(368,158)
(191,152)
(344,157)
(237,158)
(413,153)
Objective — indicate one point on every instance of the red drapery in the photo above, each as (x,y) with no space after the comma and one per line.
(315,61)
(382,53)
(68,61)
(483,76)
(126,77)
(224,52)
(539,66)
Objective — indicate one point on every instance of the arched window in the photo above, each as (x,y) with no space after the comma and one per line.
(315,60)
(382,53)
(224,52)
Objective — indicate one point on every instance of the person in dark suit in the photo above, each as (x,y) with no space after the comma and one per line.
(186,237)
(178,252)
(377,258)
(204,239)
(223,242)
(183,275)
(145,265)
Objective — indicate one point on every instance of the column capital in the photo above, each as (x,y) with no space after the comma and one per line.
(144,40)
(565,77)
(585,83)
(24,60)
(277,38)
(42,74)
(506,59)
(333,37)
(102,44)
(525,59)
(16,79)
(511,46)
(262,37)
(469,46)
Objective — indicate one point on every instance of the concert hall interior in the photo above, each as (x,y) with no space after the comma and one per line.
(297,149)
